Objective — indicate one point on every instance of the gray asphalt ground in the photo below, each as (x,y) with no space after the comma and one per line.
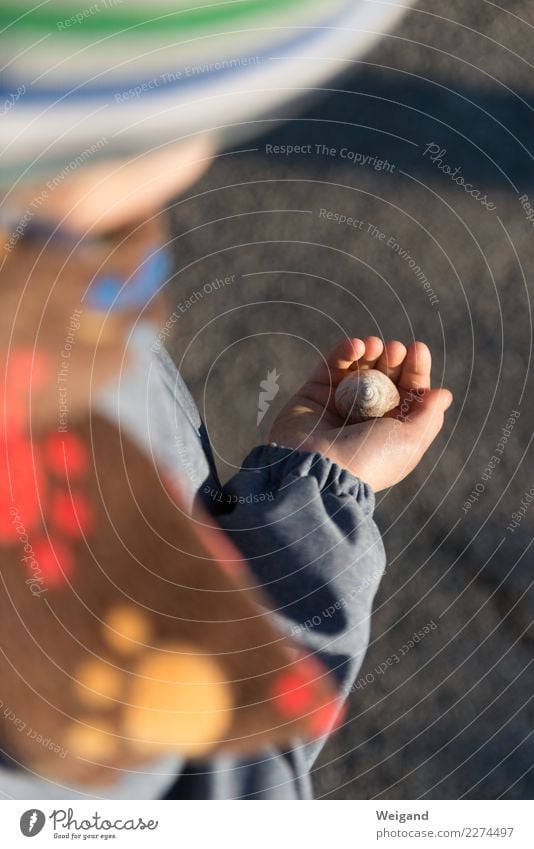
(454,717)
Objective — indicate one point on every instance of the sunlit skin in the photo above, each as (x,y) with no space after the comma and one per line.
(380,452)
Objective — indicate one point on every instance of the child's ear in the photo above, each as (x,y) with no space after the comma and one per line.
(68,307)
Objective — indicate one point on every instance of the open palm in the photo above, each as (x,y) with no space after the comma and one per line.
(381,452)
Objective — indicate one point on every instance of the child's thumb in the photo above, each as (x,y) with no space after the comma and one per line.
(427,413)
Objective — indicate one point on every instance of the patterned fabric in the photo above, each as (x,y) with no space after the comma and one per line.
(335,569)
(85,80)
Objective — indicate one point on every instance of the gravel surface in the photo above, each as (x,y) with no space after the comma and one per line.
(454,717)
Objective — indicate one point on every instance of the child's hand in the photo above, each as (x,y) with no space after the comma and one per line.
(380,452)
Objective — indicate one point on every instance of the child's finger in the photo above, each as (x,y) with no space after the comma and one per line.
(426,416)
(373,350)
(391,360)
(415,372)
(340,358)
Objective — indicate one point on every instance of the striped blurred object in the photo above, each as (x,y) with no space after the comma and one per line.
(114,77)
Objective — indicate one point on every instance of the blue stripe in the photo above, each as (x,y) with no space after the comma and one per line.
(54,94)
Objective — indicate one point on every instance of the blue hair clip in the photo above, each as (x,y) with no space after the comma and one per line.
(111,292)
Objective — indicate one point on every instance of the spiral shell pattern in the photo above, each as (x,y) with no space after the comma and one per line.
(365,394)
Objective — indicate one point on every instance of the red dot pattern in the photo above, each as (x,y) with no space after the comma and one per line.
(293,694)
(298,693)
(21,487)
(326,718)
(71,514)
(54,559)
(66,455)
(28,496)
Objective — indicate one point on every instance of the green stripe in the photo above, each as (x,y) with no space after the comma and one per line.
(114,19)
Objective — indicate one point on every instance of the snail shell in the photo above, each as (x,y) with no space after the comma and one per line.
(365,394)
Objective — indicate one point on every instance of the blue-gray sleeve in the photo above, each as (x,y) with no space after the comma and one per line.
(306,528)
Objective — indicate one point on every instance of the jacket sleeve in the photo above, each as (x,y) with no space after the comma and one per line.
(306,528)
